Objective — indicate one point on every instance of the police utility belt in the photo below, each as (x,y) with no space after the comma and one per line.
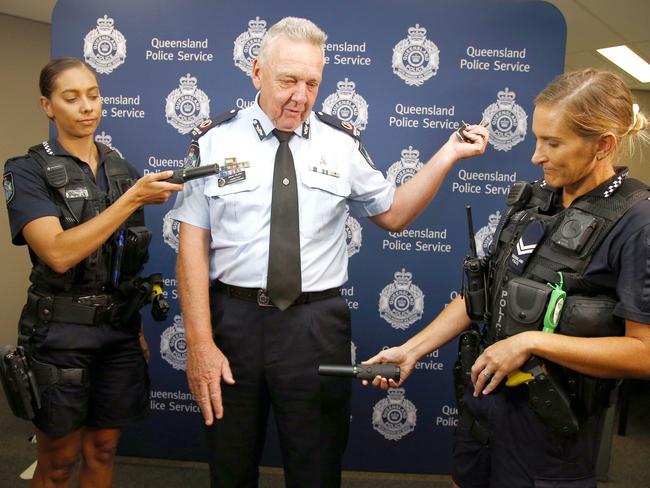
(83,310)
(261,297)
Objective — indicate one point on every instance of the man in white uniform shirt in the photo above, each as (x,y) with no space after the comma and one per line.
(249,351)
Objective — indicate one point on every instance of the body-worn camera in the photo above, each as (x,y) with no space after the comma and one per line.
(19,382)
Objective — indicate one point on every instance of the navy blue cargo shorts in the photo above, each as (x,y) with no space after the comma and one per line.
(521,451)
(114,386)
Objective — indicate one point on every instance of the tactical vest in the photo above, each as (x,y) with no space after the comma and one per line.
(536,240)
(79,199)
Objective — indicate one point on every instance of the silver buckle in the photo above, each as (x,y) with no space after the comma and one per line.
(263,299)
(94,300)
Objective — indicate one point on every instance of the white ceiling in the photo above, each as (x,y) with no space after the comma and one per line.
(591,24)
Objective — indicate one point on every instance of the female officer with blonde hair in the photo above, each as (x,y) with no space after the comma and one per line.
(589,226)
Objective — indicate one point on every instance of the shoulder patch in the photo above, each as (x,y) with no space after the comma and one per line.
(193,157)
(8,186)
(208,124)
(337,123)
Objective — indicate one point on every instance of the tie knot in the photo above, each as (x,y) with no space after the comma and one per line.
(282,136)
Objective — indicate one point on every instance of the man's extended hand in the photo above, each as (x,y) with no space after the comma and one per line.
(207,367)
(478,138)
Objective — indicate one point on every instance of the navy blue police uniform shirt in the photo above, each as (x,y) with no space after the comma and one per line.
(622,263)
(28,195)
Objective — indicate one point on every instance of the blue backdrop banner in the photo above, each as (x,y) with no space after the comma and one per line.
(406,73)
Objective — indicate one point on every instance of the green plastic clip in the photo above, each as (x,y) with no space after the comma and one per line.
(555,305)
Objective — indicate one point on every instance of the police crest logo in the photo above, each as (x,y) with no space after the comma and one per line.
(404,169)
(394,416)
(107,140)
(507,121)
(104,46)
(416,58)
(173,346)
(187,105)
(353,235)
(247,45)
(401,303)
(170,231)
(484,236)
(347,105)
(8,186)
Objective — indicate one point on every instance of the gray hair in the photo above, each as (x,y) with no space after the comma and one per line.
(293,28)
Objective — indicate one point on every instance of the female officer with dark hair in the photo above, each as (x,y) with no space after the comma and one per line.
(78,206)
(563,321)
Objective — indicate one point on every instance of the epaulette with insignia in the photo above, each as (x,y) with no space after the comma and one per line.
(208,124)
(339,124)
(349,129)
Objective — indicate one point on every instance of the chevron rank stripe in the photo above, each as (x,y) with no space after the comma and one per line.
(523,249)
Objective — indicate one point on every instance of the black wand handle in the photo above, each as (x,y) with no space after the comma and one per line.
(187,174)
(361,371)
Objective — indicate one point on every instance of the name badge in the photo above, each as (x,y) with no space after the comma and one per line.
(231,178)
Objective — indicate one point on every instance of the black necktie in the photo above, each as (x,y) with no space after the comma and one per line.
(284,281)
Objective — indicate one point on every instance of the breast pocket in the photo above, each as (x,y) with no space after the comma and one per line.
(235,208)
(322,204)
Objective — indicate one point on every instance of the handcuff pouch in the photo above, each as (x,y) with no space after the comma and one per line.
(525,304)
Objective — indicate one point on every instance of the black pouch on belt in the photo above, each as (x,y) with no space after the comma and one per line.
(524,302)
(19,382)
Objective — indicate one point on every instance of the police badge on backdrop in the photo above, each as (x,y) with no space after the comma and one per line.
(247,45)
(347,105)
(104,46)
(416,58)
(170,231)
(107,140)
(353,234)
(173,346)
(403,170)
(394,416)
(507,121)
(484,236)
(187,105)
(401,303)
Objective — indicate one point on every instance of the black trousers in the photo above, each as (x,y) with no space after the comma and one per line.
(274,357)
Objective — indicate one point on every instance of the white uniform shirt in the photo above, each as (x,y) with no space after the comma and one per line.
(331,173)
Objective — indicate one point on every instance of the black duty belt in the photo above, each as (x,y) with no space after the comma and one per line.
(261,297)
(84,310)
